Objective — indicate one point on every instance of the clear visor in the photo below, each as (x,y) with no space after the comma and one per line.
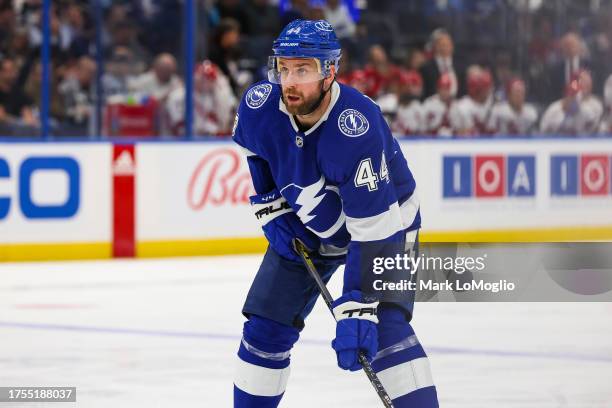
(294,71)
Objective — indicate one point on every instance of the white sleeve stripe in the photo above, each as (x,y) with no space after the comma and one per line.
(409,209)
(406,377)
(247,152)
(377,227)
(261,381)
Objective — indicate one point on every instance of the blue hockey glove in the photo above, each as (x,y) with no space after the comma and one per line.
(281,225)
(355,329)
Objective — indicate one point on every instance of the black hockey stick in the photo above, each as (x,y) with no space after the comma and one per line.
(374,380)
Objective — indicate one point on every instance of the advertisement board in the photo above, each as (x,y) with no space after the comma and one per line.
(75,200)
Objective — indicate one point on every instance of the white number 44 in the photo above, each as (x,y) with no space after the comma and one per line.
(366,176)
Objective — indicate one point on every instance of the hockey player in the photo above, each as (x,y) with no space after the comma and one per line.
(213,103)
(590,105)
(476,107)
(437,109)
(514,116)
(327,171)
(565,116)
(409,119)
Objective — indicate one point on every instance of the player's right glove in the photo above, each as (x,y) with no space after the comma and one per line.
(355,329)
(281,225)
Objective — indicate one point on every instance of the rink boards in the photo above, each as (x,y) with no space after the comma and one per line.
(102,199)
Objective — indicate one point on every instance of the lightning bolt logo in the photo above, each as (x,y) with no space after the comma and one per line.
(351,119)
(258,93)
(308,199)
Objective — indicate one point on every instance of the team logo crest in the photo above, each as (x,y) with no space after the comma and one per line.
(258,95)
(353,123)
(323,26)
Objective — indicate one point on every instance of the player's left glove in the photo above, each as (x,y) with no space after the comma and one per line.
(355,329)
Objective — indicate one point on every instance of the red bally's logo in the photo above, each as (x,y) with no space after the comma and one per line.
(219,179)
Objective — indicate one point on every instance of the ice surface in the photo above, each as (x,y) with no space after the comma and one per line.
(163,333)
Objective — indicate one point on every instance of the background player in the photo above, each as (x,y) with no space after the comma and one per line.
(327,171)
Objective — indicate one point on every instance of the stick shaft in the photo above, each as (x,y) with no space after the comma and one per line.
(367,367)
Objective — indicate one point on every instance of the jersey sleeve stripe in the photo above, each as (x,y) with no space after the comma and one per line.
(409,209)
(377,227)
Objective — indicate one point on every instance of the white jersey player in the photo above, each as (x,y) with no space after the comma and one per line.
(438,109)
(214,103)
(565,116)
(514,116)
(410,117)
(474,110)
(590,105)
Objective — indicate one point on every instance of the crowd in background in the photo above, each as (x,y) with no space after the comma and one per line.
(446,68)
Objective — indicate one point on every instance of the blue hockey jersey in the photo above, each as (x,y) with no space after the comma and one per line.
(346,177)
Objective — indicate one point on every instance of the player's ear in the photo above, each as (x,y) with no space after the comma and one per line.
(330,78)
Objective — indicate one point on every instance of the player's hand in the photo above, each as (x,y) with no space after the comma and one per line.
(355,329)
(281,225)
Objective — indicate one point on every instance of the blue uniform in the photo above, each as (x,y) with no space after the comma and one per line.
(346,177)
(348,182)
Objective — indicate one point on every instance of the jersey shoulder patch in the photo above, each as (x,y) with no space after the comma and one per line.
(257,96)
(353,123)
(357,113)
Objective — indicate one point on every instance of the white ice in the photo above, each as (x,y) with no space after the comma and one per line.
(164,333)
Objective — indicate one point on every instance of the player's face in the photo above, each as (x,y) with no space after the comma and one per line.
(517,94)
(301,83)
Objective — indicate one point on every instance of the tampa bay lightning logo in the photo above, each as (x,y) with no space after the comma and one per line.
(319,206)
(323,26)
(258,95)
(353,123)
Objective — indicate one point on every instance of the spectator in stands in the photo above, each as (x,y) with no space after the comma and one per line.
(574,60)
(441,62)
(159,81)
(474,109)
(514,116)
(590,105)
(338,15)
(438,107)
(226,53)
(7,24)
(234,10)
(214,103)
(542,45)
(358,80)
(380,72)
(298,9)
(263,18)
(120,71)
(415,60)
(124,33)
(78,91)
(32,89)
(410,118)
(565,117)
(16,108)
(74,31)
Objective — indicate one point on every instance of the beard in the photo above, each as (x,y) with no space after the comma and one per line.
(300,106)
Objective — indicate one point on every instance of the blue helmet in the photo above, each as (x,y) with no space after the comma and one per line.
(308,39)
